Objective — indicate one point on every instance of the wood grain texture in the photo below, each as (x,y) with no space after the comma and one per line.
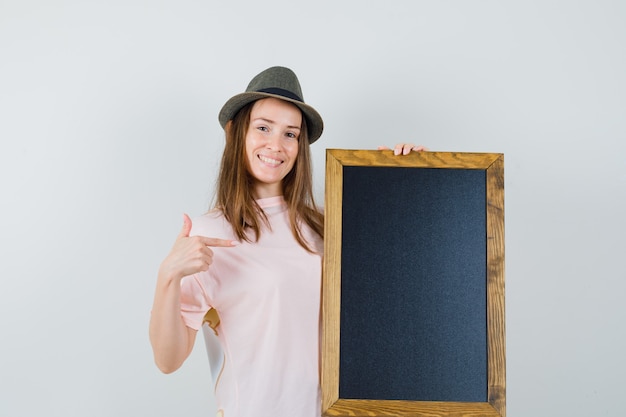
(448,160)
(332,405)
(374,408)
(331,287)
(495,287)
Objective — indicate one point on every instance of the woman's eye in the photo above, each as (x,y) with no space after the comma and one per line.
(291,135)
(262,128)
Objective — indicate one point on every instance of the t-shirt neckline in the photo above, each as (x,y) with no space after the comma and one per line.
(270,202)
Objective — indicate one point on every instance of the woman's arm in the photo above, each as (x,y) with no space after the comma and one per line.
(171,339)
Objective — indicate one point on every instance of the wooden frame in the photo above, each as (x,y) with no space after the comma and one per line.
(493,165)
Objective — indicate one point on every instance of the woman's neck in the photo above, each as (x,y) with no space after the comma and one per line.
(267,190)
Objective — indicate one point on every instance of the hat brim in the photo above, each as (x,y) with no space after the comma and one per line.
(314,120)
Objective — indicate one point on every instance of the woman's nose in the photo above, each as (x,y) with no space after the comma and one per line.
(273,141)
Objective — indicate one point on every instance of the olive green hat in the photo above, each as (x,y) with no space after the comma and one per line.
(277,82)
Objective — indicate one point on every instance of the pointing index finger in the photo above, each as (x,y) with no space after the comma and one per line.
(226,243)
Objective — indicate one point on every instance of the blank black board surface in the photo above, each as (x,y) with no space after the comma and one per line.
(413,285)
(413,291)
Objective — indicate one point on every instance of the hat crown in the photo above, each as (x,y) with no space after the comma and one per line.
(277,80)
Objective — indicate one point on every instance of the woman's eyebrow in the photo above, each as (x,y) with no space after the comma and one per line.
(269,121)
(263,119)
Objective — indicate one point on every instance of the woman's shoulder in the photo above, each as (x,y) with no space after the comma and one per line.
(209,223)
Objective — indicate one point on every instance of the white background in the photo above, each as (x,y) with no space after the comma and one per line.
(109,132)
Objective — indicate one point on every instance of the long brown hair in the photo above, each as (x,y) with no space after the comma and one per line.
(235,184)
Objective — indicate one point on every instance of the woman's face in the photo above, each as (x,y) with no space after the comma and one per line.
(272,144)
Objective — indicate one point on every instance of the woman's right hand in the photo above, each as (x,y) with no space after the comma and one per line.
(190,255)
(171,339)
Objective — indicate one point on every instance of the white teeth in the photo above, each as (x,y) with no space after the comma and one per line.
(269,160)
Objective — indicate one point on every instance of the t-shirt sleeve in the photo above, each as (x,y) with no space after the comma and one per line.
(194,302)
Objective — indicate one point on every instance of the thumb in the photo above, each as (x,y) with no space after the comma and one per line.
(186,226)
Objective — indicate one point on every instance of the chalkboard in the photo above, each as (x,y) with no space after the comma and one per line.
(413,297)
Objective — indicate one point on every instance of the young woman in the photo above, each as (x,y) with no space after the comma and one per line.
(255,259)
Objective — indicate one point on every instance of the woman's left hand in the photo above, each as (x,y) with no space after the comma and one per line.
(404,148)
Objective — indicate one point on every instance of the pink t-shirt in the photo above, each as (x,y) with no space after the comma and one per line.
(267,294)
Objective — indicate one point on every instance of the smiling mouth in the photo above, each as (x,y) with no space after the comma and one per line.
(270,161)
